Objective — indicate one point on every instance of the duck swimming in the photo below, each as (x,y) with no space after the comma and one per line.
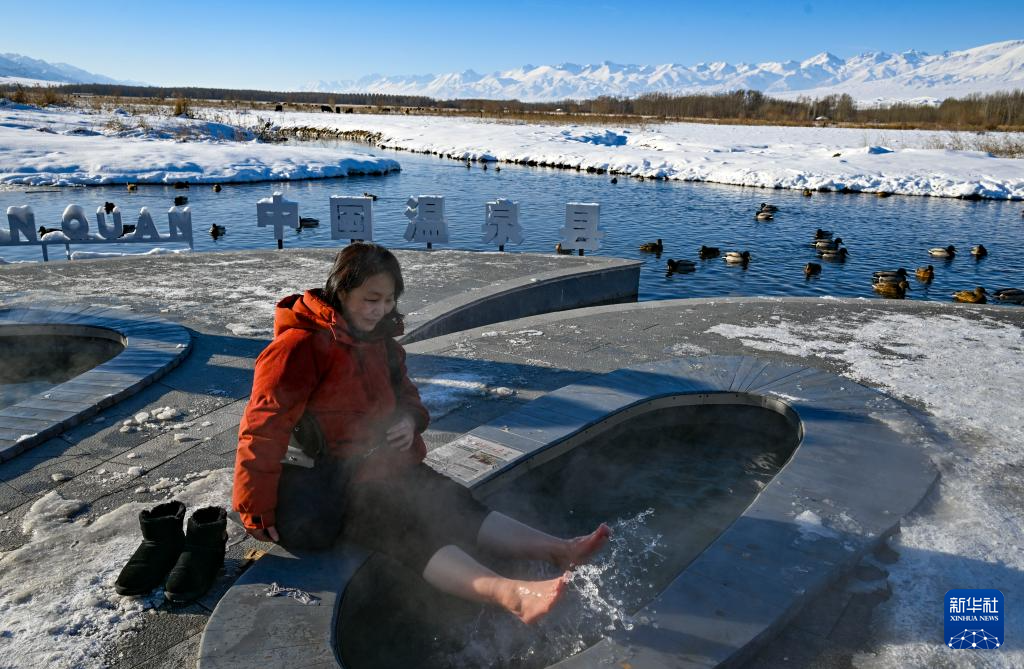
(737,257)
(652,247)
(217,230)
(976,296)
(707,252)
(822,234)
(892,291)
(838,255)
(828,244)
(308,222)
(939,252)
(770,208)
(560,251)
(889,276)
(370,195)
(681,265)
(925,274)
(979,251)
(812,269)
(216,188)
(808,192)
(764,216)
(1012,295)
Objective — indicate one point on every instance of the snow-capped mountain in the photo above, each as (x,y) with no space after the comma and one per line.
(868,77)
(17,68)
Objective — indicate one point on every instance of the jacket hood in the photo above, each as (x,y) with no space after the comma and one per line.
(310,311)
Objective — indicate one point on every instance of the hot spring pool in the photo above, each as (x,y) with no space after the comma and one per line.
(669,480)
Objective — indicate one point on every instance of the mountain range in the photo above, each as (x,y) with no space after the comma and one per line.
(872,77)
(22,69)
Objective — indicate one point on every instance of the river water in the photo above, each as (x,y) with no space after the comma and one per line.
(880,233)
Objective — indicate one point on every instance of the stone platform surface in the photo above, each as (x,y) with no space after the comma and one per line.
(227,300)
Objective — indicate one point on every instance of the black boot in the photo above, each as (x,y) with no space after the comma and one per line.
(162,540)
(201,558)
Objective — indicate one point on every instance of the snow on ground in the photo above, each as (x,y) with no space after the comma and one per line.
(58,607)
(968,373)
(787,157)
(63,147)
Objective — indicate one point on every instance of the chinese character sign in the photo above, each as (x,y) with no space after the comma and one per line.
(974,619)
(426,219)
(278,213)
(352,218)
(580,231)
(501,223)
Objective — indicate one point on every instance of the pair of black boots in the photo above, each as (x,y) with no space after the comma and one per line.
(189,562)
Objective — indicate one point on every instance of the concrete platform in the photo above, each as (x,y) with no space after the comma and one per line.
(533,357)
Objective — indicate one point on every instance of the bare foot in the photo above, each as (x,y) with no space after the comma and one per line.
(579,550)
(531,600)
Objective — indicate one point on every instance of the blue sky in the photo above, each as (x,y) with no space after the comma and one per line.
(282,45)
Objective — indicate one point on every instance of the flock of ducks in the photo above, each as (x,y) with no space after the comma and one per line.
(892,284)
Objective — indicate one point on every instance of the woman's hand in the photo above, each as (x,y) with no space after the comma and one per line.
(401,433)
(264,534)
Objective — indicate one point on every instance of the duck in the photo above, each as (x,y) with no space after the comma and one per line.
(681,265)
(812,269)
(828,244)
(560,251)
(1014,295)
(892,291)
(737,257)
(883,193)
(768,207)
(615,180)
(132,187)
(652,247)
(181,185)
(822,234)
(109,207)
(370,195)
(468,165)
(217,230)
(764,216)
(925,274)
(976,296)
(216,188)
(939,252)
(808,192)
(43,230)
(308,222)
(708,252)
(484,166)
(889,276)
(127,230)
(979,251)
(180,201)
(497,168)
(838,255)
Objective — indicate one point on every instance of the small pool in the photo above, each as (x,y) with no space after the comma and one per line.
(37,358)
(672,477)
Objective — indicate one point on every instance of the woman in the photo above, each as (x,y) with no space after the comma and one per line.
(333,359)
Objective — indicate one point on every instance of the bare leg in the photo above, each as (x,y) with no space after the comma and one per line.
(510,538)
(452,571)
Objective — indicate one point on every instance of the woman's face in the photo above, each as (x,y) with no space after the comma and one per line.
(366,304)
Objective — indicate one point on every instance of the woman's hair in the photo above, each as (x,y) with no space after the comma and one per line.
(355,264)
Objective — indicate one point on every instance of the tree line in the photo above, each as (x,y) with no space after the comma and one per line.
(992,111)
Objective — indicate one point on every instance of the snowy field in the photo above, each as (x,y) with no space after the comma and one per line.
(892,161)
(63,147)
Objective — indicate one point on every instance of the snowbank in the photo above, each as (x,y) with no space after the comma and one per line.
(67,147)
(889,161)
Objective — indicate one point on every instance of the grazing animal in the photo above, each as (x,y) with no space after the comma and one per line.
(43,230)
(976,296)
(1014,295)
(308,222)
(109,207)
(828,244)
(822,234)
(181,185)
(132,187)
(838,255)
(278,107)
(771,208)
(681,265)
(889,276)
(370,195)
(217,230)
(615,180)
(892,291)
(812,269)
(708,252)
(652,247)
(808,192)
(979,251)
(180,201)
(925,274)
(764,216)
(560,251)
(737,257)
(216,188)
(938,252)
(327,108)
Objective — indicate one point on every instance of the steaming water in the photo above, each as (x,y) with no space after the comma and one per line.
(880,233)
(34,363)
(670,480)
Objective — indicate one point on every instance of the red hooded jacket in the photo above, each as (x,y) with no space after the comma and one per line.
(317,364)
